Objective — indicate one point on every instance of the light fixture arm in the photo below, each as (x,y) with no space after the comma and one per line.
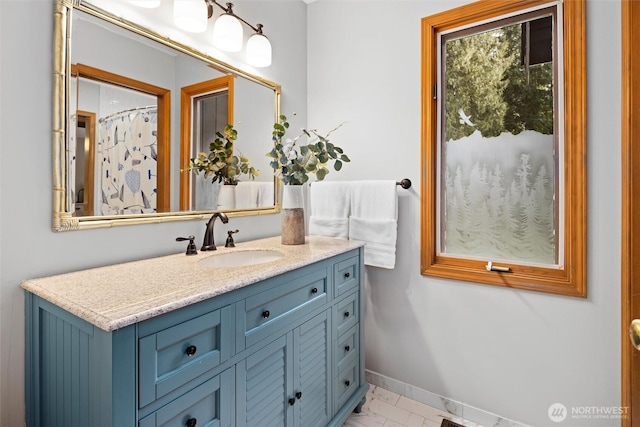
(229,10)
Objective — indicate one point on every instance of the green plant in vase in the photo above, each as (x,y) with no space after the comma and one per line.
(293,162)
(220,162)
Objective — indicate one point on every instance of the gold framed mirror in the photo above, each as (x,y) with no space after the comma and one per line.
(119,153)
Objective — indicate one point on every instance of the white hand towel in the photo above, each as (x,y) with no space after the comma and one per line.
(329,205)
(266,194)
(247,195)
(374,220)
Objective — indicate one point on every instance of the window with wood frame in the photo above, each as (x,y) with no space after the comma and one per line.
(504,145)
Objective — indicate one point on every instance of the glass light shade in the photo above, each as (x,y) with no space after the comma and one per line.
(258,51)
(190,15)
(227,33)
(149,4)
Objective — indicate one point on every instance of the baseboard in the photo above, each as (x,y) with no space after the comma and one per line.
(458,409)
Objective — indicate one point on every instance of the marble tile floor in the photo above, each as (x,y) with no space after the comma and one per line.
(384,408)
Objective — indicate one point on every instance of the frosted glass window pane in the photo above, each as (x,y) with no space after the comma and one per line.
(499,146)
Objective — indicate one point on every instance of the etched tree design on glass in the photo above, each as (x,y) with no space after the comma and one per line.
(499,166)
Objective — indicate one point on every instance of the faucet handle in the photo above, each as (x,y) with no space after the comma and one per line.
(230,243)
(191,247)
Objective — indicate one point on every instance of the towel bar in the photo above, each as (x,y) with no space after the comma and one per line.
(405,183)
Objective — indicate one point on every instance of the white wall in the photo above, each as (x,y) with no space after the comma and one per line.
(28,247)
(510,352)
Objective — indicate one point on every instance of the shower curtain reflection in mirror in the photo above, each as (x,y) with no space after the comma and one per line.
(127,157)
(114,152)
(118,150)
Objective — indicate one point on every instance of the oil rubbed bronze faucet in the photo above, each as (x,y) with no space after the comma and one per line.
(208,243)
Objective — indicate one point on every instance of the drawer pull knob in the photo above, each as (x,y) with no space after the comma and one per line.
(347,383)
(347,275)
(298,395)
(292,401)
(314,290)
(347,348)
(191,422)
(191,351)
(266,314)
(346,314)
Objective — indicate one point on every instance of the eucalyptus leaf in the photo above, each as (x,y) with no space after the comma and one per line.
(221,162)
(321,173)
(295,161)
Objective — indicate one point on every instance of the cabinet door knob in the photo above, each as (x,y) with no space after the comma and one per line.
(346,314)
(191,351)
(191,422)
(266,314)
(347,275)
(347,383)
(314,290)
(347,348)
(292,401)
(298,395)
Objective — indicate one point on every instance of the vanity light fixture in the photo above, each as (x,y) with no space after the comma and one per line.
(149,4)
(228,35)
(227,31)
(258,51)
(190,15)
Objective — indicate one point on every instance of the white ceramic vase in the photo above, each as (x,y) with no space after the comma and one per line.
(227,197)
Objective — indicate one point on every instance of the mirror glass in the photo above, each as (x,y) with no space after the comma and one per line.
(127,145)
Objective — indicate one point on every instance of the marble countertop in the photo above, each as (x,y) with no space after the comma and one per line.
(119,295)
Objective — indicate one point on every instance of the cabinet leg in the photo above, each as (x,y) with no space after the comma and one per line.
(358,408)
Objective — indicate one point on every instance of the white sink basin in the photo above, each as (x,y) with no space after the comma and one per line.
(239,258)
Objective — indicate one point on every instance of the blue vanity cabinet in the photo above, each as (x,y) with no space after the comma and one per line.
(348,358)
(209,404)
(145,374)
(179,351)
(285,351)
(77,375)
(287,382)
(170,357)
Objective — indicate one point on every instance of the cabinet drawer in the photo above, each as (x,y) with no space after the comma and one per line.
(268,311)
(174,356)
(346,314)
(346,348)
(346,275)
(346,383)
(206,405)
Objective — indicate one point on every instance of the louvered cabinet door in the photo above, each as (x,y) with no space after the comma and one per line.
(263,381)
(311,373)
(287,383)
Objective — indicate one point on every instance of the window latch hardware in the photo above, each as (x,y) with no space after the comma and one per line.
(491,267)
